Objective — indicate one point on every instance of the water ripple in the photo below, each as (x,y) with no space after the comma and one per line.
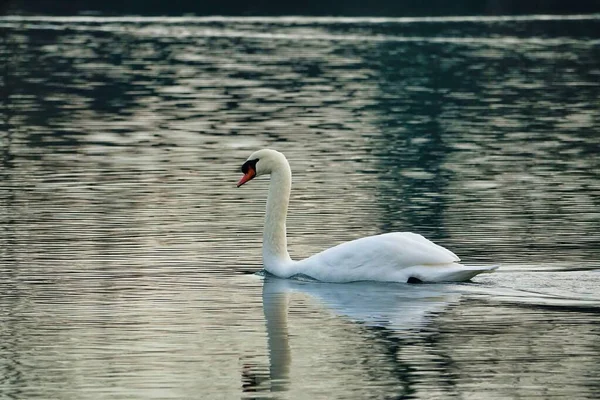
(127,254)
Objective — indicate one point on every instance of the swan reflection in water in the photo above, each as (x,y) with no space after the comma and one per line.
(389,309)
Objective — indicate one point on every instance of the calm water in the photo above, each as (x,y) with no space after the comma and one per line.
(127,255)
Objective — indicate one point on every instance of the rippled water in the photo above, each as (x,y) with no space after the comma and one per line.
(127,254)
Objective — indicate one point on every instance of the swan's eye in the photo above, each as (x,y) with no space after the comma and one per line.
(249,164)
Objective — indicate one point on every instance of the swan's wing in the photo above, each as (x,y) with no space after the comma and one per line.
(402,248)
(420,250)
(376,255)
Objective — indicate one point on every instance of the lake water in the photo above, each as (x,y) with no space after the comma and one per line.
(128,257)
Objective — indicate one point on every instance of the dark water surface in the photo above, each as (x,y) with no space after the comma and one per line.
(125,246)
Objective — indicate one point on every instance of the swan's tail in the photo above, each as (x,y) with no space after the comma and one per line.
(452,272)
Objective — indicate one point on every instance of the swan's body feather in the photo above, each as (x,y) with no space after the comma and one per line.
(375,258)
(395,257)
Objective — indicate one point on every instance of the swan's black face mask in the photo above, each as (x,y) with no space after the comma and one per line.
(249,170)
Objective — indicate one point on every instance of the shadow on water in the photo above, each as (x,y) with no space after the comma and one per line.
(6,141)
(311,7)
(412,149)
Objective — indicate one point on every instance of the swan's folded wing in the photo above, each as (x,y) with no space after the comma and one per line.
(398,249)
(421,250)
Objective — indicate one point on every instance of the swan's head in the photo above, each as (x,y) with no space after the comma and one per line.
(261,162)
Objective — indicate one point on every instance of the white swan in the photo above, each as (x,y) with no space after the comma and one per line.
(390,257)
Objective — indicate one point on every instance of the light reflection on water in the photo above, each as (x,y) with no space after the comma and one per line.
(124,240)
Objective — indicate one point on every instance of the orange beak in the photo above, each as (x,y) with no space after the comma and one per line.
(247,176)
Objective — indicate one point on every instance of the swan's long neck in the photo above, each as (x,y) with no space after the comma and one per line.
(275,255)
